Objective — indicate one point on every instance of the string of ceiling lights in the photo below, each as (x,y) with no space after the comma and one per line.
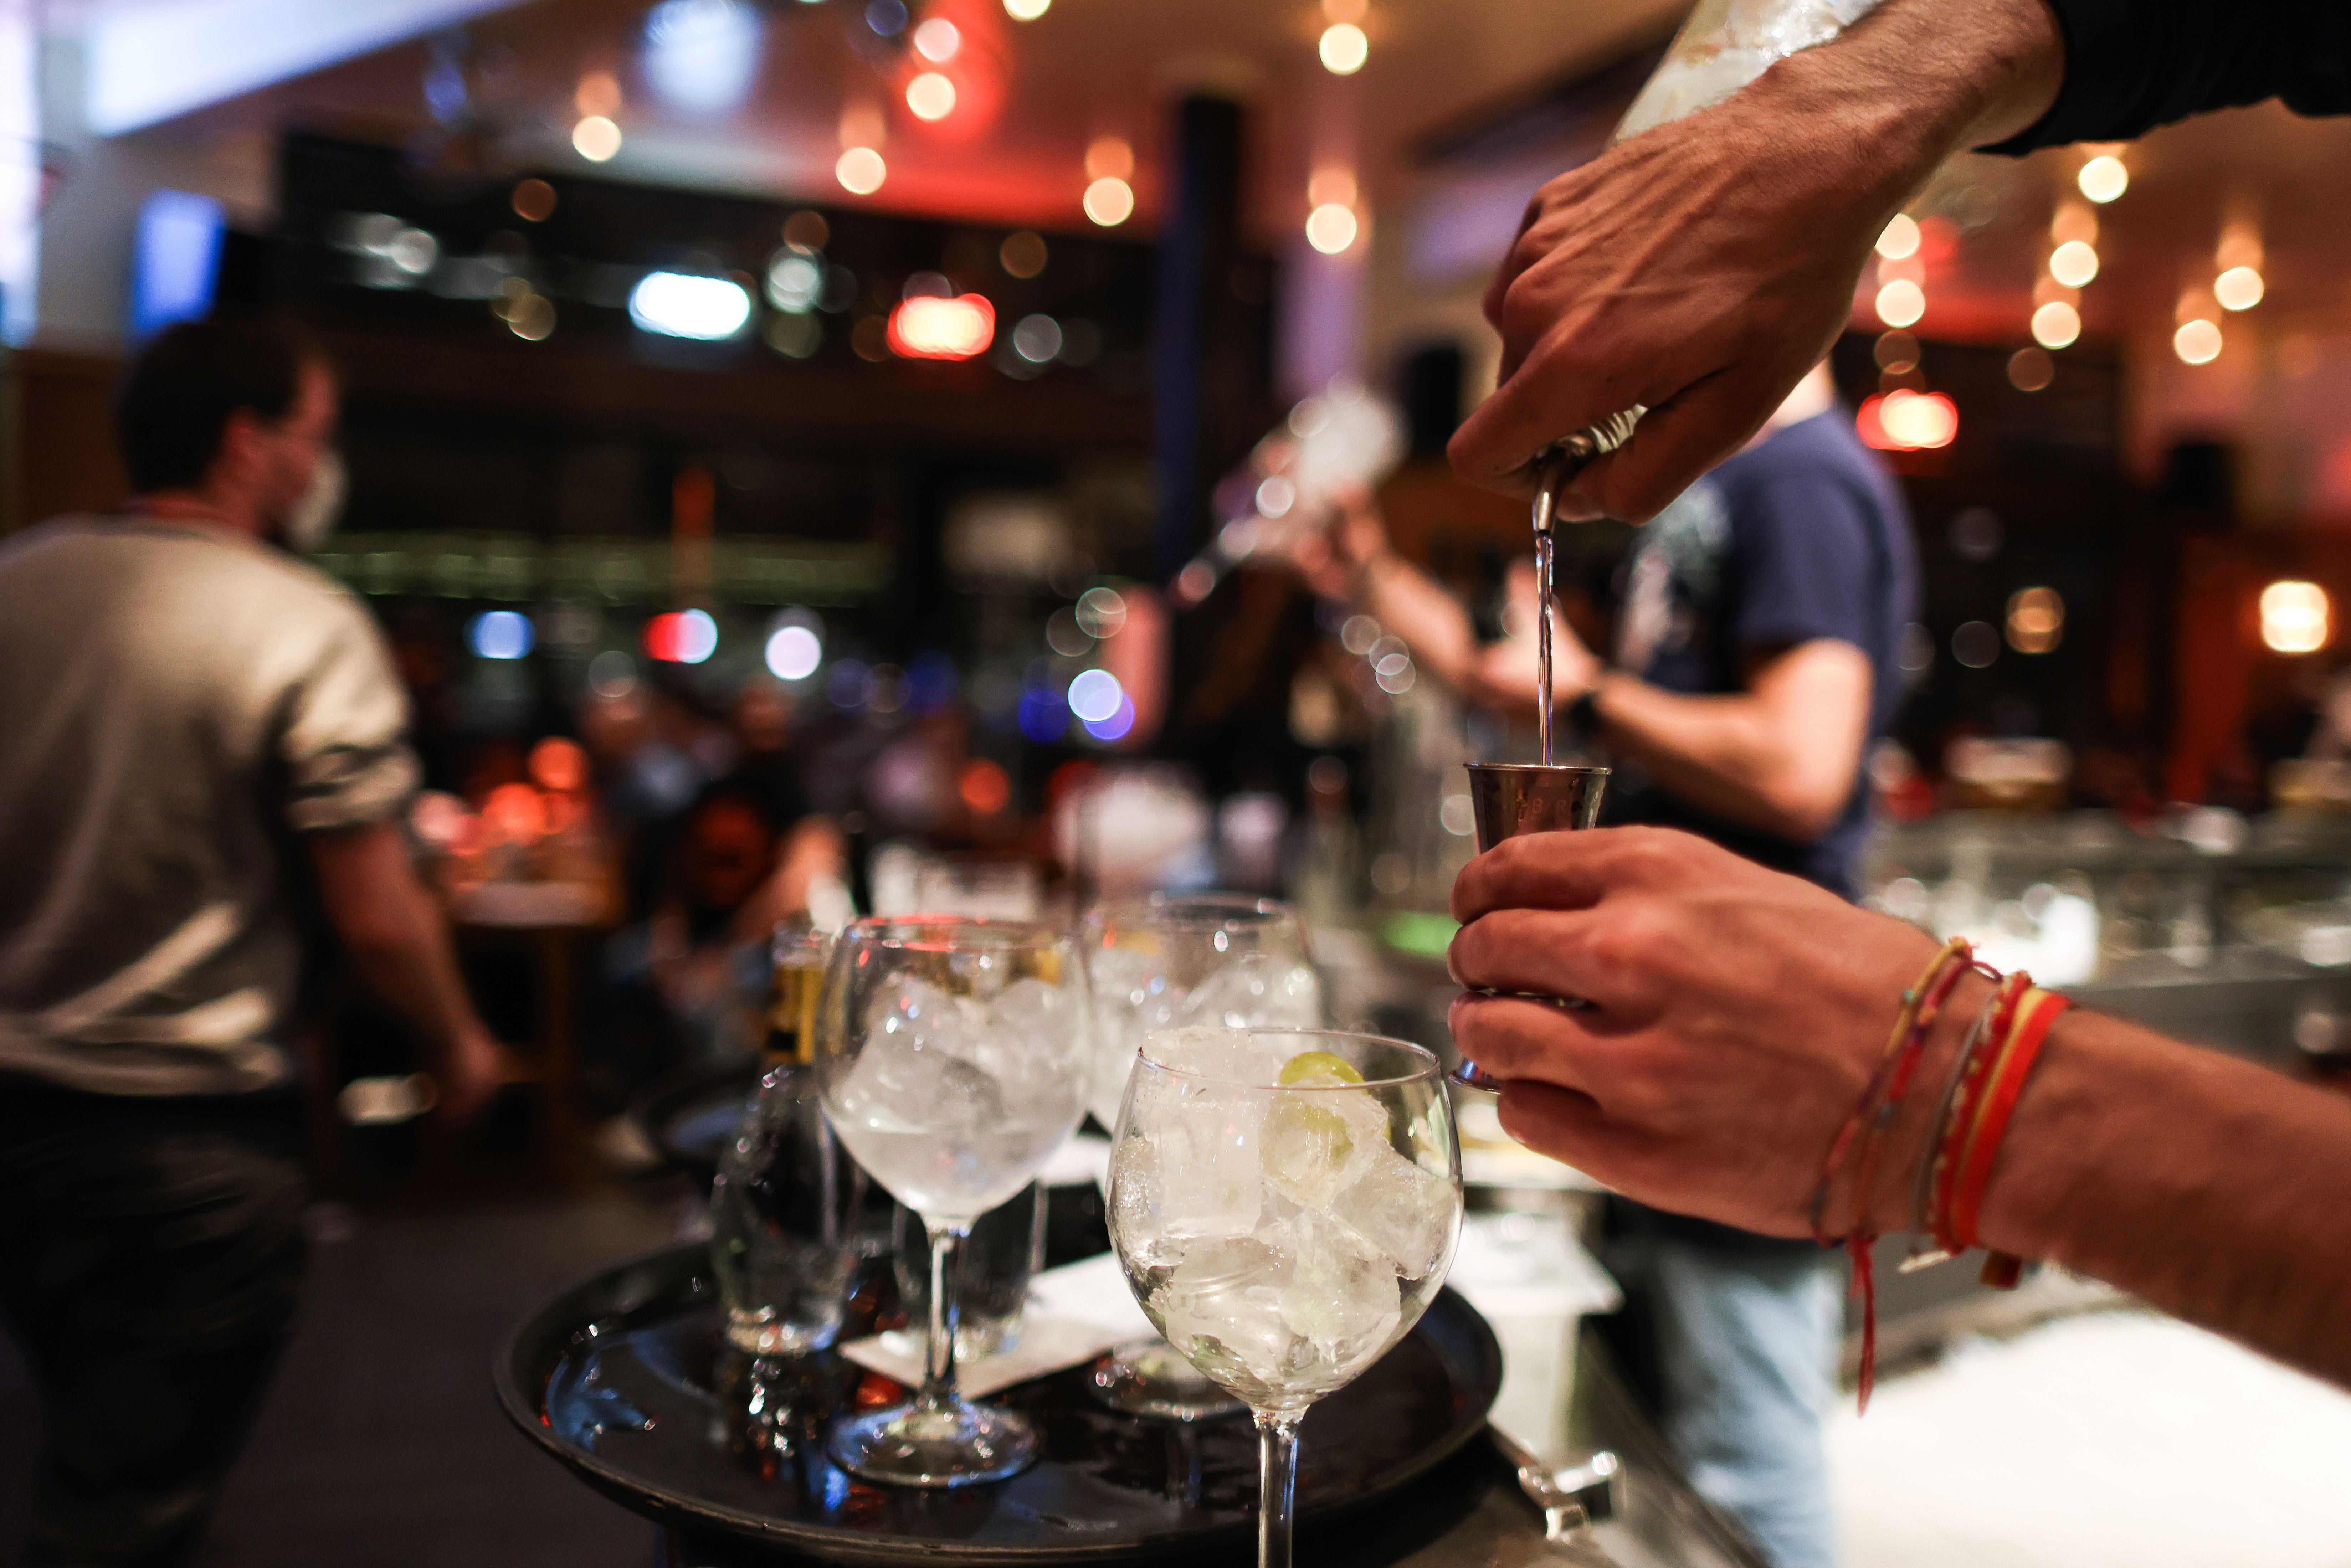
(703,55)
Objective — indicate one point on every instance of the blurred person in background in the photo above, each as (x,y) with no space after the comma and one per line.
(1757,631)
(202,734)
(695,968)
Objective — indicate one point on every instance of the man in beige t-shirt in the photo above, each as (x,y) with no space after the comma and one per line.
(194,724)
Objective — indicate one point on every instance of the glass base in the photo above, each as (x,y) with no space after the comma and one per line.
(1148,1378)
(957,1445)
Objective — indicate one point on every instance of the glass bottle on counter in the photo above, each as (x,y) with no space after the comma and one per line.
(784,1206)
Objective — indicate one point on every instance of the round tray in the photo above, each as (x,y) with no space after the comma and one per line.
(624,1378)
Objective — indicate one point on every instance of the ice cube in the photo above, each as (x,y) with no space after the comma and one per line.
(1220,1306)
(1258,991)
(1029,1040)
(1226,1055)
(1210,1182)
(1314,1143)
(1405,1211)
(915,1069)
(1340,1295)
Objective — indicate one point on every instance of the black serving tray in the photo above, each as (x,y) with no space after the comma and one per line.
(624,1378)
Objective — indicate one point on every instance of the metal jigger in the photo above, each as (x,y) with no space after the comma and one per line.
(1509,800)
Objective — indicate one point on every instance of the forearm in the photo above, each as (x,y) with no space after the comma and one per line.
(2146,1163)
(2214,1189)
(1728,756)
(1432,624)
(1939,78)
(404,958)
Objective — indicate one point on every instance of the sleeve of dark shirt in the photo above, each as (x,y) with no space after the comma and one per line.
(2133,65)
(1804,565)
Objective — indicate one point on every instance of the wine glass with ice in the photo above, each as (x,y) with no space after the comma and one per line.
(1167,960)
(954,1058)
(1285,1203)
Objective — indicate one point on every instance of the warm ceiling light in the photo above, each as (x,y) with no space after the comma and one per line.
(2238,289)
(2036,620)
(1110,157)
(1026,10)
(2056,325)
(1919,420)
(1901,303)
(596,139)
(937,40)
(929,328)
(861,171)
(1332,228)
(1110,201)
(2103,178)
(2073,263)
(1900,238)
(2295,617)
(2196,342)
(1344,48)
(931,96)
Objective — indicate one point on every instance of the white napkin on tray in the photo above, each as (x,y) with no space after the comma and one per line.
(1074,1314)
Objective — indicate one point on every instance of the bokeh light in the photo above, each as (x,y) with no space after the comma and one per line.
(686,304)
(2073,263)
(861,171)
(1344,48)
(2056,325)
(2103,178)
(1110,201)
(929,328)
(502,634)
(682,637)
(794,652)
(2197,342)
(1332,228)
(1900,239)
(596,139)
(2237,288)
(2295,617)
(2036,620)
(1900,303)
(931,96)
(1094,696)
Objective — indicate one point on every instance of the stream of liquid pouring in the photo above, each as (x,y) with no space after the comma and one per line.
(1555,476)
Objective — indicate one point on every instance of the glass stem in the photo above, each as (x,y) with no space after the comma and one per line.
(939,1363)
(1276,1442)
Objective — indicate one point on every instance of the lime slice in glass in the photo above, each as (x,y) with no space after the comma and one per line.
(1317,1066)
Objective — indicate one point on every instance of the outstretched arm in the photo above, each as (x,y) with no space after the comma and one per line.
(1738,1014)
(1700,268)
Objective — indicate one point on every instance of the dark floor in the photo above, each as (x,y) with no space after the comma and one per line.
(380,1445)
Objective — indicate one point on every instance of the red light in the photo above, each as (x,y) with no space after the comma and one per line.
(515,814)
(985,788)
(928,328)
(1904,420)
(663,634)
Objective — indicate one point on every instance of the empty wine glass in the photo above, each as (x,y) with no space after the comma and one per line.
(1170,959)
(1285,1203)
(953,1055)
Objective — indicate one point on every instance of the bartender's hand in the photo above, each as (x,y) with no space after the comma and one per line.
(1334,560)
(1737,1014)
(1701,267)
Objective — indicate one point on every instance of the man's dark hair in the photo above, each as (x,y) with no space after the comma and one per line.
(180,392)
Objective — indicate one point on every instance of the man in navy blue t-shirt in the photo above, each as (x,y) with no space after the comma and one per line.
(1758,627)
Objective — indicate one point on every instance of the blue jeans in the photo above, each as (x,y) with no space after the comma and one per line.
(1742,1335)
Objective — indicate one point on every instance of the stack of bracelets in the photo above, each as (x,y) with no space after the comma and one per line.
(1995,1057)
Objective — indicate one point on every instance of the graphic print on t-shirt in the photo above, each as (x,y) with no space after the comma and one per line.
(1674,583)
